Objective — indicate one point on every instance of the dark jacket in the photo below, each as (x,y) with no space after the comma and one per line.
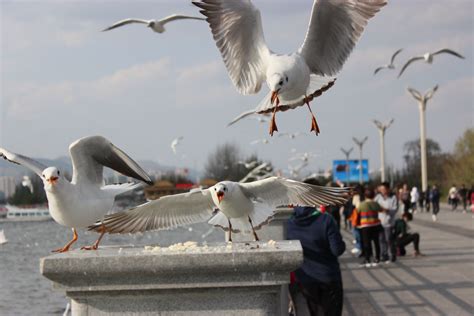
(400,228)
(322,244)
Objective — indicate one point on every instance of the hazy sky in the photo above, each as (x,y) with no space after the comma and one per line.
(62,79)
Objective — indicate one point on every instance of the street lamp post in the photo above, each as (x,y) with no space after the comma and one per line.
(360,143)
(382,128)
(347,153)
(422,101)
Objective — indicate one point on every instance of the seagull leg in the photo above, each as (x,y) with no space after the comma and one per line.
(96,244)
(273,126)
(253,230)
(314,124)
(230,231)
(68,245)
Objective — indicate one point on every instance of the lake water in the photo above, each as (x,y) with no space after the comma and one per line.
(23,291)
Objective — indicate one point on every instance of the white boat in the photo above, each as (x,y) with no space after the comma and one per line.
(27,214)
(3,239)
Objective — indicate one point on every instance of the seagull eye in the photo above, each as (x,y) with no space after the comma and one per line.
(280,83)
(58,172)
(286,78)
(43,176)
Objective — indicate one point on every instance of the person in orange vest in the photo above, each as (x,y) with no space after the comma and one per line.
(370,227)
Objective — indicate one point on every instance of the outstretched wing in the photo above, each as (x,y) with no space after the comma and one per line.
(448,51)
(90,154)
(175,17)
(334,28)
(378,69)
(125,22)
(26,162)
(408,64)
(165,213)
(417,95)
(395,55)
(277,191)
(241,116)
(237,29)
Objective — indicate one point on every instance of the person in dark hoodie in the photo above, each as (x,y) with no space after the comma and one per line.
(319,276)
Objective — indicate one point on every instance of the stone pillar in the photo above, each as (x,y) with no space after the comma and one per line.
(219,279)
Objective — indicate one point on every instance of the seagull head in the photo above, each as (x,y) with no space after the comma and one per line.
(51,176)
(221,190)
(277,82)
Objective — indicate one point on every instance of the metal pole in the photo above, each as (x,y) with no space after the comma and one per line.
(424,167)
(360,143)
(382,155)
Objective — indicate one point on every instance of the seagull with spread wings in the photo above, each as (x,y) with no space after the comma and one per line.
(175,143)
(84,200)
(391,65)
(428,58)
(156,25)
(294,79)
(243,207)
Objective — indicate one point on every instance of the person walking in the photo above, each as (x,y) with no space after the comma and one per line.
(405,197)
(414,196)
(434,197)
(463,197)
(427,199)
(388,202)
(319,277)
(453,197)
(368,213)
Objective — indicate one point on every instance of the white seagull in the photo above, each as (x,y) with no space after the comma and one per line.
(297,78)
(243,207)
(263,141)
(84,200)
(156,25)
(292,135)
(391,65)
(304,157)
(175,143)
(428,58)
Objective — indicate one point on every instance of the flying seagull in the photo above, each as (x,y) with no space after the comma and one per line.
(260,118)
(292,135)
(156,25)
(175,143)
(243,207)
(263,141)
(84,200)
(428,58)
(294,79)
(391,65)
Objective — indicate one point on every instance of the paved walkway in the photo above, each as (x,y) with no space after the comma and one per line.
(439,283)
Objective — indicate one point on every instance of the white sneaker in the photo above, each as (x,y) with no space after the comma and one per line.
(367,265)
(354,242)
(434,218)
(355,251)
(374,264)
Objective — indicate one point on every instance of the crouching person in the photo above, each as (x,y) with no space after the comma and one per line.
(319,277)
(403,236)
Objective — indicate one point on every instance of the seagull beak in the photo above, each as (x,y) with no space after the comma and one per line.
(53,180)
(274,97)
(220,196)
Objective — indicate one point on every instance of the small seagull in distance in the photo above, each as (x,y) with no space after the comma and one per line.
(292,135)
(260,141)
(156,25)
(428,58)
(175,143)
(391,65)
(303,156)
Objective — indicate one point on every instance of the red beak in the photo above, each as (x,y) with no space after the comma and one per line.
(220,196)
(53,180)
(274,98)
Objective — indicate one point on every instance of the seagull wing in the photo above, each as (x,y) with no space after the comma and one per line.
(334,28)
(237,29)
(448,51)
(378,124)
(90,154)
(276,191)
(29,163)
(164,213)
(378,69)
(125,22)
(395,55)
(408,63)
(174,17)
(241,116)
(415,94)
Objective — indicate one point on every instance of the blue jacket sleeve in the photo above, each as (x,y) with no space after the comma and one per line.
(336,244)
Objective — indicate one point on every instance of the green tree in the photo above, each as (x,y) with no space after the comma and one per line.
(460,168)
(23,195)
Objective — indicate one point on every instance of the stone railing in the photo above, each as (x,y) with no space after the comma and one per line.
(243,278)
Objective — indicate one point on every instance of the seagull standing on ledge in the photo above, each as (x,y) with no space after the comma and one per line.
(242,206)
(391,65)
(428,58)
(297,78)
(84,200)
(156,25)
